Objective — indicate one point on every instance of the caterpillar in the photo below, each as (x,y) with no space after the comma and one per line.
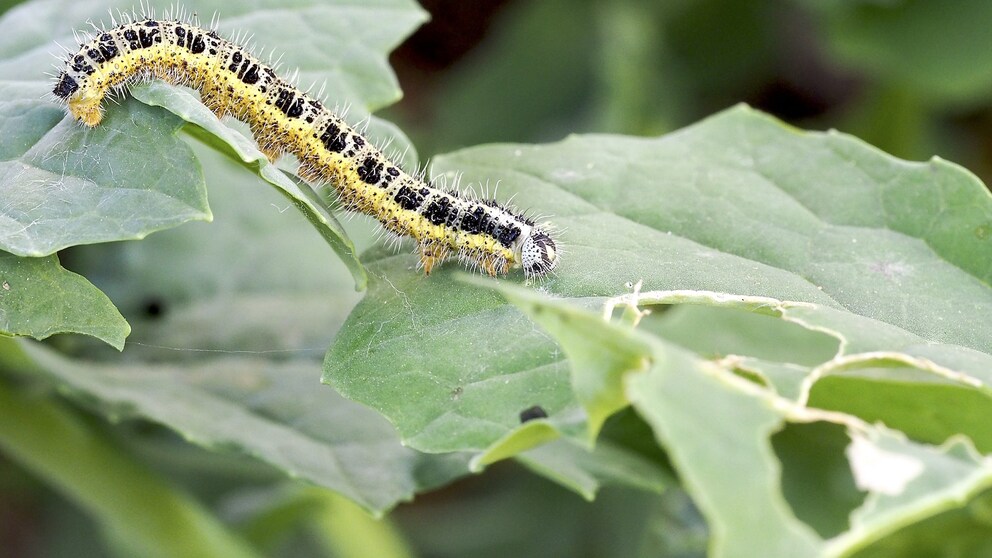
(283,119)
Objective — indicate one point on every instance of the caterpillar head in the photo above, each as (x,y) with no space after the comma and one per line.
(538,253)
(84,104)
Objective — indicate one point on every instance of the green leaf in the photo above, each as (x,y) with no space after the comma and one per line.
(358,74)
(318,38)
(188,107)
(229,326)
(404,352)
(599,358)
(192,275)
(961,530)
(38,298)
(66,185)
(711,422)
(265,409)
(881,372)
(587,471)
(914,397)
(912,481)
(709,429)
(895,252)
(705,419)
(717,331)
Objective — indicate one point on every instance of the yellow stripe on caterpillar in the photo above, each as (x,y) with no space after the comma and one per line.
(283,119)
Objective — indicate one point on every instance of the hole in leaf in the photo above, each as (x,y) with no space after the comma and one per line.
(816,476)
(626,428)
(925,407)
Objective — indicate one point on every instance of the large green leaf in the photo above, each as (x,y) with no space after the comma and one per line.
(738,204)
(269,410)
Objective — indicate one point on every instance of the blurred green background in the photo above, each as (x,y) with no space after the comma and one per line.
(913,77)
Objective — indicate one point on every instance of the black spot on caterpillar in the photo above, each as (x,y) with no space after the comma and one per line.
(284,119)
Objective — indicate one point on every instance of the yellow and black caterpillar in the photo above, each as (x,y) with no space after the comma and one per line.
(284,119)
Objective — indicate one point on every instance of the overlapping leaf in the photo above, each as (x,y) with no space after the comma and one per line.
(885,263)
(737,204)
(65,185)
(39,298)
(228,329)
(717,428)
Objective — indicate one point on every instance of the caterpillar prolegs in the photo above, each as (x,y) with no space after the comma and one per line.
(284,119)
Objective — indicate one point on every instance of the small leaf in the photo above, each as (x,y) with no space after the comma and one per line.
(718,438)
(66,185)
(586,471)
(38,298)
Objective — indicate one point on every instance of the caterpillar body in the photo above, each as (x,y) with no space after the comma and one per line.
(284,119)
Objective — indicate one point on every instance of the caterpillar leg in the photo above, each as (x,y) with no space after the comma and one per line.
(266,136)
(493,265)
(432,254)
(215,102)
(86,109)
(270,149)
(271,154)
(309,170)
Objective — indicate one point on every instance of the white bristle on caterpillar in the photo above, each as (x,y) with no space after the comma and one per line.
(284,119)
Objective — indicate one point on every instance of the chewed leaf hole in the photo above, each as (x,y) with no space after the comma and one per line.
(816,475)
(925,407)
